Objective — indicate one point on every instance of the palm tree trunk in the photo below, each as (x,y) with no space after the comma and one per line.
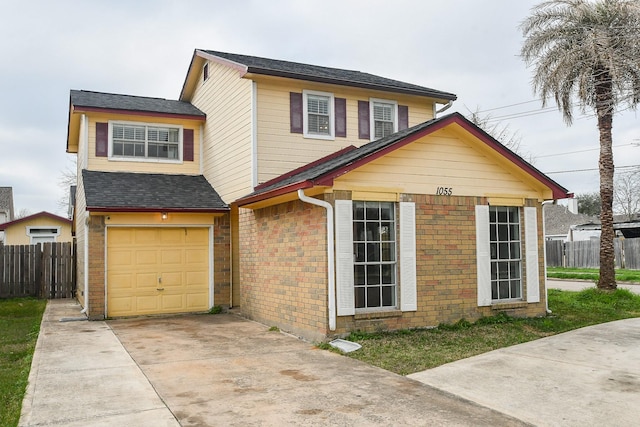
(604,110)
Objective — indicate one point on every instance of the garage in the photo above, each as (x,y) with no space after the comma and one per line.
(157,270)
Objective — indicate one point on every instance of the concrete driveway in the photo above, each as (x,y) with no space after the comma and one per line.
(225,370)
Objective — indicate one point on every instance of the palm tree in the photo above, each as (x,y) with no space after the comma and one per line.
(588,51)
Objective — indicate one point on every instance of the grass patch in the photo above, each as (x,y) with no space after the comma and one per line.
(19,325)
(408,351)
(592,274)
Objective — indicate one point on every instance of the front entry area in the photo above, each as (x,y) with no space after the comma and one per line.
(157,270)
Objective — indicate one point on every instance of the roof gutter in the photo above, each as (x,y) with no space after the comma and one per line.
(156,209)
(331,263)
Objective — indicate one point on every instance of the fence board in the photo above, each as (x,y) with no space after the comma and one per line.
(44,270)
(586,253)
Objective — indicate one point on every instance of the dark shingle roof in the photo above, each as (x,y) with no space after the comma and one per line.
(340,163)
(83,98)
(338,76)
(126,191)
(558,219)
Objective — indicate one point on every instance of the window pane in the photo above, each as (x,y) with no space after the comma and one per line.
(358,275)
(388,252)
(388,296)
(358,210)
(359,295)
(502,215)
(504,231)
(388,274)
(373,212)
(373,231)
(373,252)
(494,290)
(373,297)
(373,274)
(503,289)
(359,252)
(515,289)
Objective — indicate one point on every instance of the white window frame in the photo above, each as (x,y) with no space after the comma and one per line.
(49,236)
(372,121)
(497,258)
(367,244)
(147,159)
(305,114)
(406,284)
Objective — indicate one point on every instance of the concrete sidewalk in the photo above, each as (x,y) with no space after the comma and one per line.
(586,377)
(81,375)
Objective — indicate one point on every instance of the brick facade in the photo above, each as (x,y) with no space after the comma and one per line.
(283,274)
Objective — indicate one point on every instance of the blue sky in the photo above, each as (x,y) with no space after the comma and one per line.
(144,47)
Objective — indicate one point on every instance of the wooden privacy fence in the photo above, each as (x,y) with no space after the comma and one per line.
(45,270)
(586,253)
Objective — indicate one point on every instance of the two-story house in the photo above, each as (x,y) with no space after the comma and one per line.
(315,199)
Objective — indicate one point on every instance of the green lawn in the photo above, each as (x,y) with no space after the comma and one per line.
(592,274)
(19,326)
(410,351)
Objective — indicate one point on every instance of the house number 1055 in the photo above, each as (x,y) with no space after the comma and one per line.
(444,191)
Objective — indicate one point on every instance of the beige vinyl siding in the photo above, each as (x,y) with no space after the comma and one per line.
(106,165)
(443,159)
(226,98)
(280,151)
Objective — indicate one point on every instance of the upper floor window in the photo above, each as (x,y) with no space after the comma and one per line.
(205,72)
(318,114)
(384,118)
(141,142)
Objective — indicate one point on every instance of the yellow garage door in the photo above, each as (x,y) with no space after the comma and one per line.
(157,270)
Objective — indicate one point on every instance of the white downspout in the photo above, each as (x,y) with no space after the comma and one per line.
(544,254)
(330,255)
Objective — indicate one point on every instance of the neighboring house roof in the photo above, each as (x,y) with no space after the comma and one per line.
(142,192)
(6,201)
(42,214)
(323,171)
(558,219)
(316,73)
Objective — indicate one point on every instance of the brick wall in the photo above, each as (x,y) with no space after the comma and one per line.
(283,274)
(283,269)
(96,268)
(446,270)
(222,261)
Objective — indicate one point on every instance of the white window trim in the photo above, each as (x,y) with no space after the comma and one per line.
(53,235)
(345,299)
(145,159)
(372,122)
(305,115)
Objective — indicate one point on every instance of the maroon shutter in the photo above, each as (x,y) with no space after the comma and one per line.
(295,112)
(403,117)
(341,117)
(187,145)
(363,120)
(102,139)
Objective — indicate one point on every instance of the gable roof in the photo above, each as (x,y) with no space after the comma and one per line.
(558,219)
(82,100)
(324,171)
(6,201)
(299,71)
(42,214)
(143,192)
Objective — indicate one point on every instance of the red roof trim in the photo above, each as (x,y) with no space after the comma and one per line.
(274,193)
(37,215)
(82,109)
(134,209)
(305,167)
